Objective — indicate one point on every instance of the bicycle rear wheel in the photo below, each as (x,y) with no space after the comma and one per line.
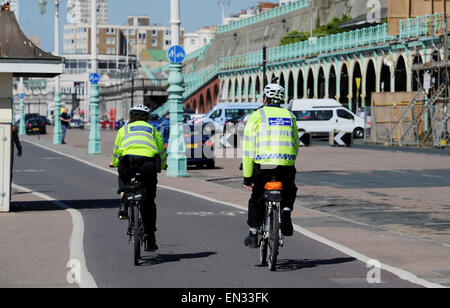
(263,251)
(274,239)
(136,235)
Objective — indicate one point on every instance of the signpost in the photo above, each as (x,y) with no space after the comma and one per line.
(94,78)
(176,161)
(343,139)
(94,133)
(176,54)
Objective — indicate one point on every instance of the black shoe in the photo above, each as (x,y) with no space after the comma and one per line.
(286,224)
(151,243)
(251,241)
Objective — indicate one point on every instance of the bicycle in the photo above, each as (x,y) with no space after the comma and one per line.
(270,237)
(133,196)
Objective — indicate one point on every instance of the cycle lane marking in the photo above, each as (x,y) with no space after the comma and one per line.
(402,274)
(76,246)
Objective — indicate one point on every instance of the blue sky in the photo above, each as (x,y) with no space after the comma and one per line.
(194,15)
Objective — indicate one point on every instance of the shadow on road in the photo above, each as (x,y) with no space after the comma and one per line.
(166,258)
(293,265)
(37,206)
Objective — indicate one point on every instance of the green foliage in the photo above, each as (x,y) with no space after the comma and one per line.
(294,37)
(328,29)
(332,27)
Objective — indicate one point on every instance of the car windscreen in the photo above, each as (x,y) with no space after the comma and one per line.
(237,113)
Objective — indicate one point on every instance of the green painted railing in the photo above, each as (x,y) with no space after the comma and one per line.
(275,12)
(162,111)
(428,25)
(357,39)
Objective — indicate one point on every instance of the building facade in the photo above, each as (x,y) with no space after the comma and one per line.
(79,11)
(199,39)
(131,39)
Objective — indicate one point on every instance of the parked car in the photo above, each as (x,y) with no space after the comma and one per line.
(154,120)
(76,123)
(199,147)
(193,118)
(35,126)
(119,124)
(322,116)
(223,112)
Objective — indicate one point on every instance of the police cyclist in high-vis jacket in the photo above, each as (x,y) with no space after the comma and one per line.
(271,144)
(139,148)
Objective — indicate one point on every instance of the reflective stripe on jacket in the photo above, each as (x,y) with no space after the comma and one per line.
(270,138)
(141,139)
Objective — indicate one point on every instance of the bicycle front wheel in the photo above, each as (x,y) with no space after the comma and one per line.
(137,237)
(274,239)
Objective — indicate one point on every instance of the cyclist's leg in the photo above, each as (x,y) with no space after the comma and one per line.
(256,208)
(125,171)
(287,177)
(256,204)
(150,181)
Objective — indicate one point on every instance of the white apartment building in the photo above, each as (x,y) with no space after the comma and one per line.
(79,11)
(130,39)
(199,39)
(283,2)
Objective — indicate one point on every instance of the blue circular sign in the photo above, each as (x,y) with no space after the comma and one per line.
(21,95)
(176,54)
(94,78)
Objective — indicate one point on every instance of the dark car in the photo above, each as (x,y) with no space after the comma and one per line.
(76,123)
(155,121)
(199,148)
(119,124)
(35,126)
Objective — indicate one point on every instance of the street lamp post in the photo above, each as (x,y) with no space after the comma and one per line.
(21,109)
(177,162)
(95,146)
(57,132)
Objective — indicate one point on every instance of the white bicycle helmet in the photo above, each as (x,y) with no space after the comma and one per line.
(140,108)
(274,92)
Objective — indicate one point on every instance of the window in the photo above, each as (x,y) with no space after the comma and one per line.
(318,115)
(341,113)
(236,113)
(167,43)
(154,42)
(323,115)
(216,114)
(154,32)
(304,115)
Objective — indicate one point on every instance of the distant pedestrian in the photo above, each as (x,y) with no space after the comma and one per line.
(14,141)
(65,121)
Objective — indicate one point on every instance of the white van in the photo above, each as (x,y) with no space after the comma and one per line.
(223,112)
(321,116)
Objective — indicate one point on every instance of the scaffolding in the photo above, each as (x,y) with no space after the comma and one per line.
(424,121)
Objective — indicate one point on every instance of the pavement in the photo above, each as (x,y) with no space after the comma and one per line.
(389,205)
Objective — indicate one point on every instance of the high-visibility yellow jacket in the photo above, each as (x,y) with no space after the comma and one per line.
(270,138)
(141,139)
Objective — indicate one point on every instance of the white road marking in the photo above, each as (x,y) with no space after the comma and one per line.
(76,240)
(405,275)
